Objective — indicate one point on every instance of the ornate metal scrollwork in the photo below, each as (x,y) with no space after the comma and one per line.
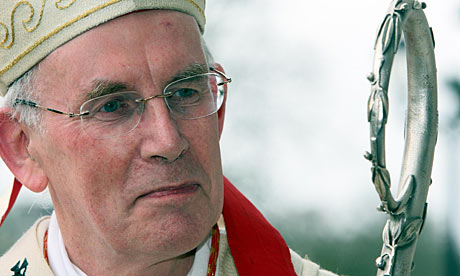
(407,210)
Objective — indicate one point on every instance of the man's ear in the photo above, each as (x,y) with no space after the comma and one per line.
(221,112)
(14,142)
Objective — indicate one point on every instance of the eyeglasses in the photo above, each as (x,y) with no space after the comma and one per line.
(119,113)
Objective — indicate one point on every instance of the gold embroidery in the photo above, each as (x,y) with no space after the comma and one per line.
(198,8)
(24,22)
(46,37)
(12,24)
(6,34)
(39,18)
(64,6)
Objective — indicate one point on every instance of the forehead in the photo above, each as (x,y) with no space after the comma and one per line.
(140,48)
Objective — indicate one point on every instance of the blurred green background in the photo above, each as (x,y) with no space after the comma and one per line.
(344,253)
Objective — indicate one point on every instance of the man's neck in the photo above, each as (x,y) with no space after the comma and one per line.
(174,267)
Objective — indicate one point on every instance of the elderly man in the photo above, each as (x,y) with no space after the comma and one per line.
(117,107)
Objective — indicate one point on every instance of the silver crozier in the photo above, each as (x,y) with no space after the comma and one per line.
(407,210)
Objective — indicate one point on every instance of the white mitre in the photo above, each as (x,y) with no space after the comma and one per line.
(32,29)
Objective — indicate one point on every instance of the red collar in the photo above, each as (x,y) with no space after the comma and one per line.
(257,247)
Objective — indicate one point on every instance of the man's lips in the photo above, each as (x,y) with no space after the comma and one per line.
(172,190)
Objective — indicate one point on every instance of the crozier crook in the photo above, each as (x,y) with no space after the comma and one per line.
(407,211)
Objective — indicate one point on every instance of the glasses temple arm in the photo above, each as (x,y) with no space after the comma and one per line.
(227,79)
(35,105)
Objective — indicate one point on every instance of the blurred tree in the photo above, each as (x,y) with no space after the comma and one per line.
(21,217)
(353,253)
(452,257)
(306,232)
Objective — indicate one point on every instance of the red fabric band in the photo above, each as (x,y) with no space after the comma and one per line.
(257,247)
(14,195)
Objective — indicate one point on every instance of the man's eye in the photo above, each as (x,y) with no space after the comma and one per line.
(185,96)
(111,106)
(115,108)
(119,104)
(186,93)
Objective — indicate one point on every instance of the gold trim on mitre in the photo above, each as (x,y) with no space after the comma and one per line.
(32,29)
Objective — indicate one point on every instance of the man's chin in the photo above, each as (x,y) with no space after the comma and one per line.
(179,240)
(173,230)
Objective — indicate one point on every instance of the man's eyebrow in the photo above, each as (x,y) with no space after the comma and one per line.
(192,70)
(104,87)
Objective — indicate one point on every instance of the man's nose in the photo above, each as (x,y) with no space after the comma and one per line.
(162,139)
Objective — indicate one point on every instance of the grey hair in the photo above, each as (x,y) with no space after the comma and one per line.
(23,88)
(207,53)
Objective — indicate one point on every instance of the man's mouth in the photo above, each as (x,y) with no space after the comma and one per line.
(173,190)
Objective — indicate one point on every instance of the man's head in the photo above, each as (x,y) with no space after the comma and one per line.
(150,194)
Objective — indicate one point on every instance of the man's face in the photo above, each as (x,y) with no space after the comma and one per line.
(156,190)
